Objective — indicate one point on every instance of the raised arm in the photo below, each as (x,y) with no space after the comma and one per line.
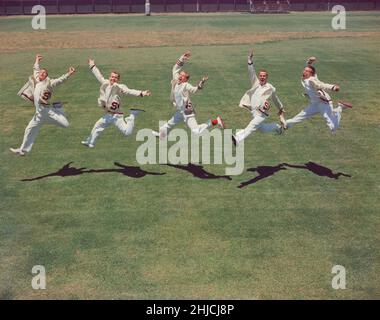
(63,78)
(192,89)
(309,62)
(134,92)
(36,66)
(179,64)
(95,71)
(319,85)
(251,69)
(316,83)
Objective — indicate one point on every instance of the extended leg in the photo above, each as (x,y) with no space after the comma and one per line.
(196,128)
(177,118)
(269,127)
(255,123)
(58,118)
(303,115)
(31,132)
(332,117)
(126,125)
(98,128)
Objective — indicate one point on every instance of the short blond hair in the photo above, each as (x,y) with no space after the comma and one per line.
(44,69)
(266,72)
(186,74)
(118,74)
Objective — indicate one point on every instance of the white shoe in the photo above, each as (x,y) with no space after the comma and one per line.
(17,151)
(221,122)
(85,143)
(135,112)
(155,133)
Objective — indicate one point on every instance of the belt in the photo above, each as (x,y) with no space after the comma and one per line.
(262,111)
(54,105)
(325,100)
(114,112)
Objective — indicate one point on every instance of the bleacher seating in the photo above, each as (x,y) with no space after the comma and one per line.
(18,7)
(268,6)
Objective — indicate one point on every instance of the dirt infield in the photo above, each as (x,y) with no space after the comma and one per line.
(15,41)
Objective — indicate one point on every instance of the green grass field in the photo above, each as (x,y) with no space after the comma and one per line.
(109,236)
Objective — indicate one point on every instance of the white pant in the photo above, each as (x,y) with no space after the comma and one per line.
(190,121)
(193,125)
(54,116)
(124,125)
(256,124)
(332,116)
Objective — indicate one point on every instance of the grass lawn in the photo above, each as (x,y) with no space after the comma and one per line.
(107,235)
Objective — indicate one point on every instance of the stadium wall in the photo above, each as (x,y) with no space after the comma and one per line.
(23,7)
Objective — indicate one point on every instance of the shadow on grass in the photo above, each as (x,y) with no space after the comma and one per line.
(267,171)
(198,171)
(67,171)
(264,172)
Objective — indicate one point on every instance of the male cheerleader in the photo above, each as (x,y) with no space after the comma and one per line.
(320,101)
(38,90)
(110,100)
(256,101)
(180,97)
